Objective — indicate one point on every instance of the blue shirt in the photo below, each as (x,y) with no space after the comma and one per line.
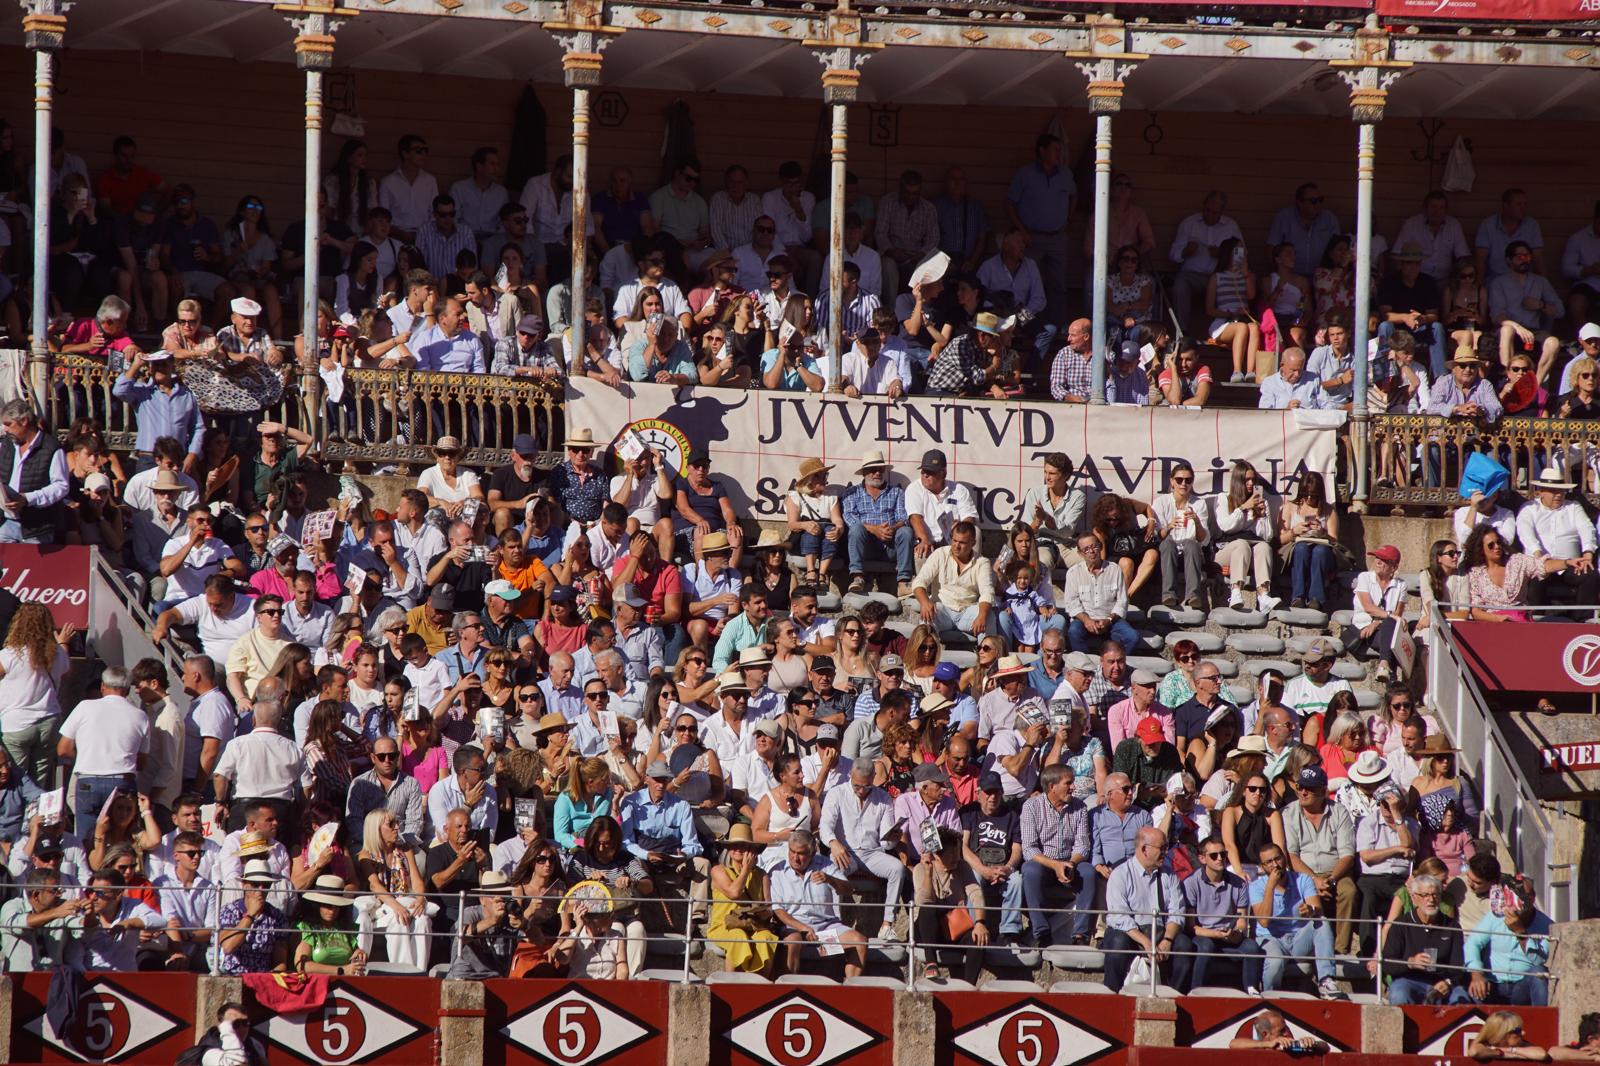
(860,509)
(1493,238)
(461,354)
(160,413)
(1042,200)
(15,796)
(791,380)
(1494,951)
(459,665)
(679,361)
(648,827)
(1310,240)
(1285,905)
(1131,388)
(1136,896)
(1276,393)
(1111,840)
(446,795)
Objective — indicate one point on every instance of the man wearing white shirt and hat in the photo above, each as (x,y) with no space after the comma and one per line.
(1557,532)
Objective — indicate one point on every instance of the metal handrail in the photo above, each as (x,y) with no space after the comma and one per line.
(1432,449)
(1525,829)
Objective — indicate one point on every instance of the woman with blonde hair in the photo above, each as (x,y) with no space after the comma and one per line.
(923,652)
(345,637)
(1501,1038)
(395,905)
(1246,532)
(586,797)
(694,682)
(32,664)
(975,678)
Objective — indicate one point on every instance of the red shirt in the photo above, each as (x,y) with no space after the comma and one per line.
(122,191)
(654,585)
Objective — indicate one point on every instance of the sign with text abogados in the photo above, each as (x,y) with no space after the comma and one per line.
(56,576)
(1001,1029)
(120,1018)
(368,1019)
(810,1025)
(572,1023)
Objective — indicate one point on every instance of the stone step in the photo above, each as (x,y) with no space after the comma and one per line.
(1299,644)
(1254,667)
(853,602)
(1069,957)
(829,602)
(1340,619)
(1206,642)
(1368,700)
(1225,667)
(1241,692)
(1300,616)
(1233,618)
(1156,664)
(965,658)
(1346,670)
(1255,644)
(1150,642)
(1176,616)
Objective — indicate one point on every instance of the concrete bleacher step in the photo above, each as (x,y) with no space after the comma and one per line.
(1072,957)
(875,981)
(1213,992)
(805,979)
(851,603)
(1226,668)
(961,657)
(1241,692)
(1206,642)
(1011,985)
(1298,645)
(1176,616)
(1255,667)
(1156,664)
(725,977)
(1255,644)
(1340,619)
(1346,670)
(1003,957)
(1234,618)
(1300,616)
(1150,642)
(1092,988)
(670,976)
(829,603)
(1368,700)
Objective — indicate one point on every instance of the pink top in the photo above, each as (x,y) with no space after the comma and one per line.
(1122,719)
(1512,593)
(1453,849)
(427,769)
(269,582)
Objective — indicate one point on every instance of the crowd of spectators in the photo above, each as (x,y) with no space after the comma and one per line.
(530,720)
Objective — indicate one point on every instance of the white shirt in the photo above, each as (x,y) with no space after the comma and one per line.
(642,503)
(426,544)
(1099,595)
(1581,252)
(871,379)
(205,559)
(869,262)
(210,715)
(752,775)
(942,511)
(792,229)
(1388,598)
(478,209)
(1196,229)
(838,778)
(432,482)
(672,301)
(1562,533)
(1165,509)
(602,552)
(859,825)
(720,737)
(27,696)
(1024,283)
(111,733)
(218,632)
(142,498)
(410,202)
(429,682)
(162,865)
(263,764)
(1468,518)
(1439,250)
(752,266)
(1308,698)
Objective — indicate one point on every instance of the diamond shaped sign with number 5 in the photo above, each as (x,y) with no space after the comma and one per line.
(111,1025)
(572,1028)
(799,1030)
(1030,1034)
(347,1028)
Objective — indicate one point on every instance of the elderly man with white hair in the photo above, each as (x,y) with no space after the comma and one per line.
(1291,386)
(1423,955)
(260,765)
(33,469)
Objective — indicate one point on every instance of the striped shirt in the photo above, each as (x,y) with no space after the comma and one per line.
(861,508)
(440,250)
(1055,834)
(856,317)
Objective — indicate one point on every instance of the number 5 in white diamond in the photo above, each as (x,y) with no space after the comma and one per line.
(1030,1033)
(799,1030)
(573,1028)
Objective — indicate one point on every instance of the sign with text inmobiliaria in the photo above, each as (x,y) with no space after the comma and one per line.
(757,439)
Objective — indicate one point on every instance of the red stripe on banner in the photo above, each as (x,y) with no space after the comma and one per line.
(1150,431)
(1502,11)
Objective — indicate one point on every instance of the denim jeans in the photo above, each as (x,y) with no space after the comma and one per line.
(946,621)
(1310,567)
(1311,938)
(11,533)
(1528,992)
(1081,639)
(1007,898)
(864,548)
(1405,991)
(818,544)
(1120,949)
(91,795)
(1041,890)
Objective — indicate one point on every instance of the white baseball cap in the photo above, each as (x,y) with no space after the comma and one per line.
(1589,332)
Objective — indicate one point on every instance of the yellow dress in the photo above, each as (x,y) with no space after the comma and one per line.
(749,952)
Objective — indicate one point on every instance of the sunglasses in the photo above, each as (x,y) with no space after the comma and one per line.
(386,756)
(544,858)
(1452,552)
(1188,658)
(527,697)
(1183,481)
(601,696)
(696,659)
(255,529)
(187,851)
(1216,855)
(270,611)
(1252,789)
(683,728)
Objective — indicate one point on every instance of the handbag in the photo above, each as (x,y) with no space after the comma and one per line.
(532,960)
(958,923)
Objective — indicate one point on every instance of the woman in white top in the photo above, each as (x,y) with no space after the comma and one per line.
(785,808)
(1229,293)
(1286,293)
(814,513)
(788,661)
(1184,522)
(32,665)
(447,485)
(1442,583)
(1380,598)
(1245,533)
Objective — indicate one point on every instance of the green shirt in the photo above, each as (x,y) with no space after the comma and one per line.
(685,218)
(288,462)
(330,947)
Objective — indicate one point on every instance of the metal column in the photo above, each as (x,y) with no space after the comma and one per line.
(1102,240)
(836,209)
(580,221)
(43,30)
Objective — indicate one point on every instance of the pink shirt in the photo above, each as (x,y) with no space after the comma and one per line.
(269,582)
(427,769)
(1122,719)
